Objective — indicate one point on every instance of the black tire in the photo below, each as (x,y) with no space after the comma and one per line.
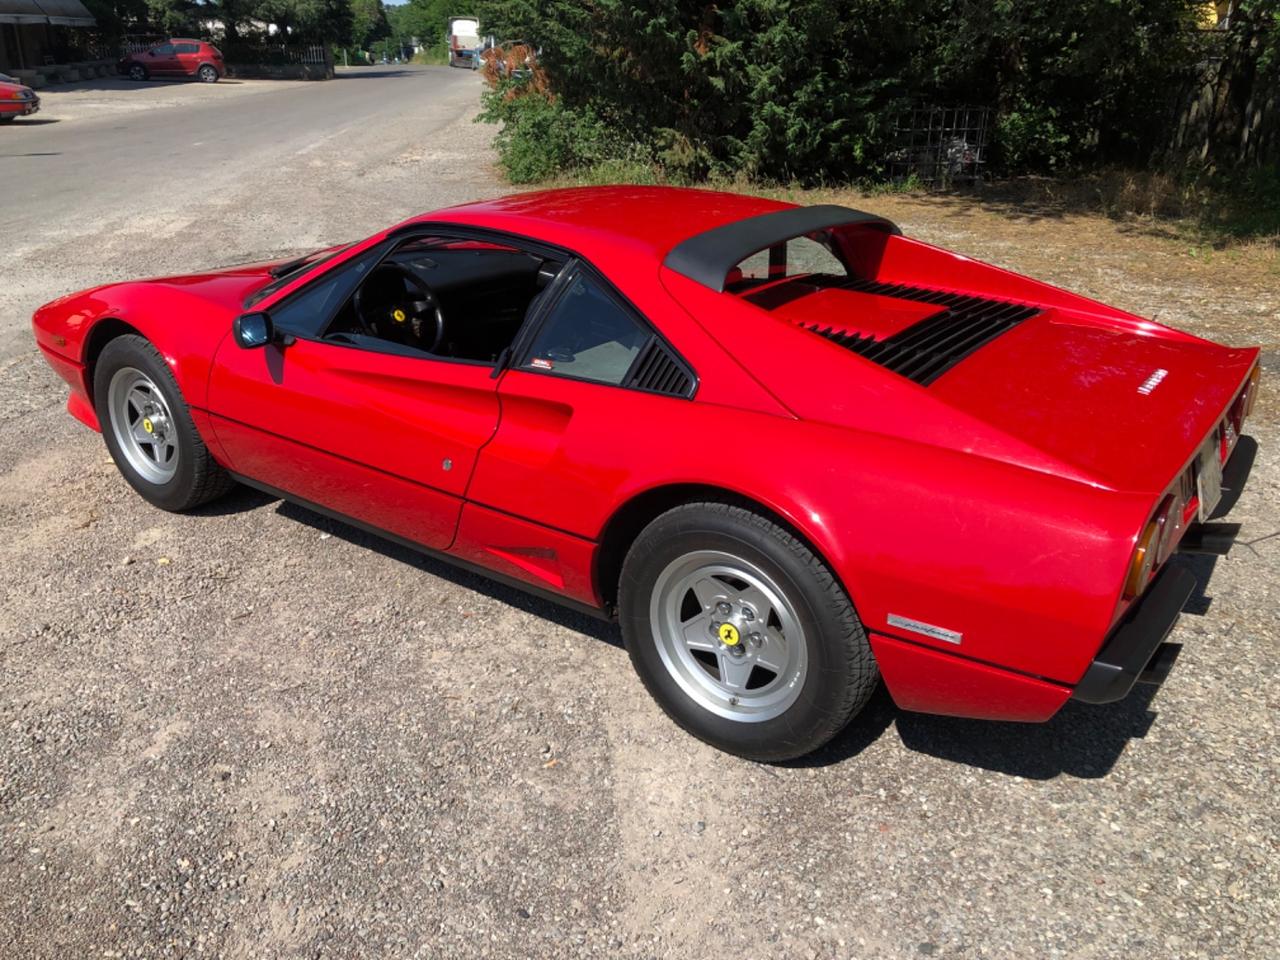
(8,119)
(138,72)
(841,673)
(207,74)
(198,478)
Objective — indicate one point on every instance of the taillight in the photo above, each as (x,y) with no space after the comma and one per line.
(1143,561)
(1251,391)
(1171,517)
(1158,540)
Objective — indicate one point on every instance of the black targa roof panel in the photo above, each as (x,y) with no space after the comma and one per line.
(708,257)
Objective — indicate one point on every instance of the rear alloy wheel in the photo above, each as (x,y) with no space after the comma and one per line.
(137,72)
(148,428)
(728,635)
(741,633)
(207,74)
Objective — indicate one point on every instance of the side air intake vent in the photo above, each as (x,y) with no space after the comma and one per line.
(926,350)
(659,371)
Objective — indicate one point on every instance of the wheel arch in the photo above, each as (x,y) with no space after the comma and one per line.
(100,334)
(625,524)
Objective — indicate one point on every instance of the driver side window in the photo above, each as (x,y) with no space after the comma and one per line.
(445,298)
(303,314)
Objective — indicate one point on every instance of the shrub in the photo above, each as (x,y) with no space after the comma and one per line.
(542,138)
(807,90)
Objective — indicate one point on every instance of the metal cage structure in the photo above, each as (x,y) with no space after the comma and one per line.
(940,146)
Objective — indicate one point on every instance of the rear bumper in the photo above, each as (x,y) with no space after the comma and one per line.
(1136,652)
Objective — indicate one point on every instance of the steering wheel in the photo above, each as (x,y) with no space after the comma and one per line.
(410,315)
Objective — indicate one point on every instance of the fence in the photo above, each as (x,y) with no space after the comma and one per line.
(241,50)
(273,54)
(1227,115)
(940,146)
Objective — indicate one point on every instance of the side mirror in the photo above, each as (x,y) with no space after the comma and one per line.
(253,330)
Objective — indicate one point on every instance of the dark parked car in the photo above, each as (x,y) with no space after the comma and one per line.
(176,57)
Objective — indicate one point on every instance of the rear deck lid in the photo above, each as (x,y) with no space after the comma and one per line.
(1125,406)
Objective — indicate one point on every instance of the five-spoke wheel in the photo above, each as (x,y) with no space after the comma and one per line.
(142,424)
(149,430)
(728,635)
(741,632)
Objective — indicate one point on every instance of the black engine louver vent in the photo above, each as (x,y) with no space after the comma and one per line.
(925,350)
(659,371)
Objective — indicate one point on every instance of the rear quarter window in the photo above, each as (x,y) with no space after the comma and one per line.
(587,335)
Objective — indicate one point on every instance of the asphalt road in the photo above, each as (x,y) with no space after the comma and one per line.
(253,732)
(123,176)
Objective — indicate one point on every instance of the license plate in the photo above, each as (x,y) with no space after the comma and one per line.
(1209,479)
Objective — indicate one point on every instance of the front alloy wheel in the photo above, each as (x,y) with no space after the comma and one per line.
(142,425)
(148,427)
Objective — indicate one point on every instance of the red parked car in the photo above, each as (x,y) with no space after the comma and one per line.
(193,59)
(16,100)
(789,448)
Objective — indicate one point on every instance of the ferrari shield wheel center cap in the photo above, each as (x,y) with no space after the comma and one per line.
(729,635)
(147,425)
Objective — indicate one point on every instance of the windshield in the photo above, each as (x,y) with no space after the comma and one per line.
(288,272)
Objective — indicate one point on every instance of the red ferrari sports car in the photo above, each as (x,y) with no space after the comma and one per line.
(790,449)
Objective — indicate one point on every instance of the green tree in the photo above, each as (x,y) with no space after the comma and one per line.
(425,20)
(319,20)
(172,16)
(118,17)
(368,23)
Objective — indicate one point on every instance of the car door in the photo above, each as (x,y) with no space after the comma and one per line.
(583,406)
(161,60)
(387,439)
(186,58)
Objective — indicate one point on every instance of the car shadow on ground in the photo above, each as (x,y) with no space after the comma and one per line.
(245,499)
(1081,740)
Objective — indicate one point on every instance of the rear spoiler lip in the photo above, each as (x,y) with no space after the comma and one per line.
(707,257)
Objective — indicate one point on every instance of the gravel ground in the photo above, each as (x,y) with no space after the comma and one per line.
(253,732)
